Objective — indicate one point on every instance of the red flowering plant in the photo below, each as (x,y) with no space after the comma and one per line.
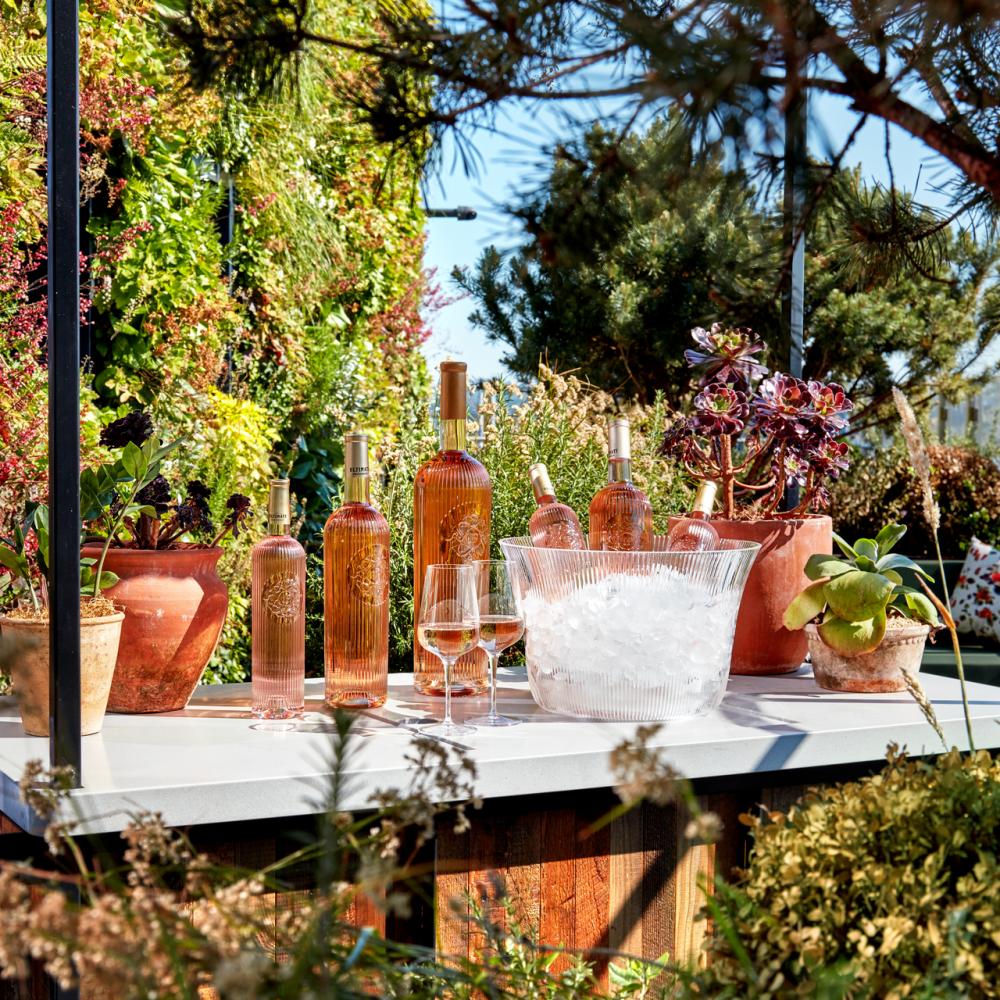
(756,434)
(128,503)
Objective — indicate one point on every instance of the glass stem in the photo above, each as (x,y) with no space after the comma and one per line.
(494,661)
(447,690)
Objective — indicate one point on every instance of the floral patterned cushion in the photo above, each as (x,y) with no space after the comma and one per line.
(975,601)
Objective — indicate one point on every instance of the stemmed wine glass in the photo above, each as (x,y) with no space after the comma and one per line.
(501,624)
(448,626)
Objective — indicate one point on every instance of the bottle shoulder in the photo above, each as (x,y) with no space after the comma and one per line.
(447,464)
(356,515)
(284,545)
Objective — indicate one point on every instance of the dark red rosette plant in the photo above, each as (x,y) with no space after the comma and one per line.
(756,433)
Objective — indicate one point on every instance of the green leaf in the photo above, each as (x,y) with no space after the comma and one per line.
(133,461)
(12,561)
(857,596)
(821,565)
(108,579)
(865,564)
(887,538)
(891,574)
(866,547)
(921,607)
(805,606)
(853,638)
(897,561)
(844,547)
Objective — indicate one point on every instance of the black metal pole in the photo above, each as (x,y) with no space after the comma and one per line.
(63,98)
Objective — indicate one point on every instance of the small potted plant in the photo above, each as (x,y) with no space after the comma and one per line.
(164,551)
(864,627)
(763,438)
(25,627)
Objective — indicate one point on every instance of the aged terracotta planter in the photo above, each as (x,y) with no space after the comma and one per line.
(762,644)
(876,672)
(175,606)
(29,670)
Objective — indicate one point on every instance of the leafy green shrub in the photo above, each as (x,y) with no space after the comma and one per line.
(881,488)
(889,882)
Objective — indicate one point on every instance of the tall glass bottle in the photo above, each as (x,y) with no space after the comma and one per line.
(553,525)
(695,532)
(356,590)
(452,503)
(278,588)
(621,517)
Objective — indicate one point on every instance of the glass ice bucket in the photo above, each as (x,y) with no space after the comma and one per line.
(639,636)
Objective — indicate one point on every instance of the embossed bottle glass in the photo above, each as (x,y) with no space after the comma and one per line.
(553,525)
(278,568)
(356,590)
(452,502)
(621,517)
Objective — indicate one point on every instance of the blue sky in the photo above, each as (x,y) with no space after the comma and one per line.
(510,156)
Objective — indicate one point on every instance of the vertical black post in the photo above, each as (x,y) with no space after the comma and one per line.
(796,181)
(64,383)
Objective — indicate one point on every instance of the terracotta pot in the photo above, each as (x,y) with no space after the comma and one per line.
(175,606)
(762,644)
(29,670)
(876,672)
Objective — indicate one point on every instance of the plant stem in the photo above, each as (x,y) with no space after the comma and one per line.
(727,475)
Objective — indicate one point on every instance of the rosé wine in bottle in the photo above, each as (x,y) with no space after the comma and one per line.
(553,525)
(278,588)
(356,590)
(695,533)
(452,503)
(621,517)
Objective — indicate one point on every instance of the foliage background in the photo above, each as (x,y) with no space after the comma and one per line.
(259,354)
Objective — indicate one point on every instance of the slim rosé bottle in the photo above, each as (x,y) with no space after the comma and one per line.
(278,568)
(356,590)
(553,525)
(452,503)
(621,517)
(695,533)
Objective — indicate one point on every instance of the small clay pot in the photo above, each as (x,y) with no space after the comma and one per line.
(175,605)
(29,670)
(877,672)
(762,644)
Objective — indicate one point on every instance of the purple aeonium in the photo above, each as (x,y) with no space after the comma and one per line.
(678,441)
(830,405)
(134,428)
(727,355)
(829,457)
(156,494)
(782,407)
(792,467)
(720,409)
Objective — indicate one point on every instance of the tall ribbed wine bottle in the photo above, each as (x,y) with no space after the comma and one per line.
(278,587)
(553,525)
(356,590)
(452,502)
(621,517)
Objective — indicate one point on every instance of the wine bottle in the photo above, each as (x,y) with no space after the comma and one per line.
(452,503)
(621,517)
(356,590)
(278,608)
(695,533)
(552,525)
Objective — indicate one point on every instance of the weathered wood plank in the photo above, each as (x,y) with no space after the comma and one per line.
(559,830)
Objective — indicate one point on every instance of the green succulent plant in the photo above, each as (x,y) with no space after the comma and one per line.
(855,593)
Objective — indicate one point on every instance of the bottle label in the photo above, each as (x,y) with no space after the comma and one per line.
(464,533)
(282,598)
(367,578)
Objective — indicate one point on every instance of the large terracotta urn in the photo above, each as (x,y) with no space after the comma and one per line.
(763,645)
(28,666)
(175,605)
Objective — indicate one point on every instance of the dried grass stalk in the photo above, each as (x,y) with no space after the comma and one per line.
(919,457)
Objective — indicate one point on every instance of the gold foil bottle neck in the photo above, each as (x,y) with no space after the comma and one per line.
(453,390)
(279,519)
(704,499)
(540,481)
(619,439)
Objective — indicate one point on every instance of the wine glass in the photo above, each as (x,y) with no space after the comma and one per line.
(448,626)
(501,624)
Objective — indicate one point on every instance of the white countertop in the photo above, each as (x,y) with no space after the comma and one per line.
(206,764)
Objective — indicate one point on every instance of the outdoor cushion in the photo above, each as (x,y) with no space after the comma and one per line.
(975,601)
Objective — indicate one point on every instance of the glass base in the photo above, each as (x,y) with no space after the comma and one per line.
(447,730)
(275,726)
(489,722)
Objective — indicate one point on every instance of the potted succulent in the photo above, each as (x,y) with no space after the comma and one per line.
(164,552)
(24,652)
(865,628)
(760,437)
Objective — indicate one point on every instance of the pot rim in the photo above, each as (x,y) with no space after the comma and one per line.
(44,622)
(193,550)
(910,631)
(803,519)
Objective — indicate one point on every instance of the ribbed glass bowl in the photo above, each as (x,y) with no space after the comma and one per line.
(640,636)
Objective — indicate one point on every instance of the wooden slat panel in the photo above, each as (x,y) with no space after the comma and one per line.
(626,888)
(593,893)
(452,866)
(659,839)
(557,894)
